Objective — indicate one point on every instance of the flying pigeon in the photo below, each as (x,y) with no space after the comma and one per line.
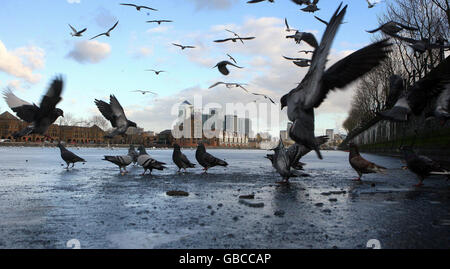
(392,28)
(147,162)
(304,36)
(180,159)
(312,7)
(421,165)
(138,8)
(40,117)
(422,45)
(207,160)
(317,83)
(115,114)
(68,156)
(133,153)
(75,32)
(415,99)
(121,161)
(108,33)
(361,165)
(222,66)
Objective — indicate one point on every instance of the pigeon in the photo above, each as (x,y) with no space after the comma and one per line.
(304,36)
(133,154)
(115,114)
(108,33)
(121,161)
(422,45)
(302,2)
(147,162)
(421,165)
(183,47)
(138,8)
(392,28)
(229,85)
(159,21)
(317,83)
(75,32)
(180,159)
(222,66)
(441,109)
(396,86)
(282,162)
(361,165)
(40,117)
(207,160)
(312,7)
(68,156)
(415,99)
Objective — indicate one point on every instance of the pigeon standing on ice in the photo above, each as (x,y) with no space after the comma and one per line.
(115,114)
(40,117)
(69,157)
(361,165)
(421,165)
(147,162)
(318,82)
(133,154)
(282,162)
(121,161)
(207,160)
(180,159)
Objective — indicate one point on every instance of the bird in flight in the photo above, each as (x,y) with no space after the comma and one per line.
(304,36)
(312,7)
(324,21)
(145,92)
(138,8)
(114,113)
(183,47)
(257,1)
(302,62)
(288,29)
(306,51)
(231,58)
(108,32)
(75,32)
(373,4)
(392,28)
(234,39)
(222,66)
(159,21)
(229,85)
(155,71)
(265,96)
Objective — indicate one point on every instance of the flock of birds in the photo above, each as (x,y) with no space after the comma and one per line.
(300,101)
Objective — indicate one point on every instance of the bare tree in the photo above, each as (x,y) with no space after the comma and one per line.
(99,121)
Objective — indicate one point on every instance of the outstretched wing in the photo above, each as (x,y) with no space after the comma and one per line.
(113,26)
(215,84)
(223,40)
(118,112)
(73,29)
(106,111)
(310,39)
(23,109)
(53,96)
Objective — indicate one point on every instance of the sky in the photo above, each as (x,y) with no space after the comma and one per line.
(36,45)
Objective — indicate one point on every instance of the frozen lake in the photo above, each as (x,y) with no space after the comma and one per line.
(43,206)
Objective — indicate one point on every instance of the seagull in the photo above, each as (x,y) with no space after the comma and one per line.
(155,71)
(108,32)
(302,62)
(421,165)
(222,66)
(361,165)
(265,96)
(324,21)
(207,160)
(306,51)
(229,85)
(183,47)
(317,83)
(159,21)
(121,161)
(145,92)
(288,29)
(75,32)
(304,36)
(257,1)
(371,5)
(138,8)
(231,58)
(392,28)
(115,114)
(234,39)
(180,159)
(311,7)
(40,117)
(68,156)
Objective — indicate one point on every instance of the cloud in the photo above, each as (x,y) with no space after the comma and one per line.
(22,62)
(104,18)
(142,52)
(73,1)
(214,4)
(90,51)
(158,29)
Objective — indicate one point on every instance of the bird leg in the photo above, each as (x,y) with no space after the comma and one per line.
(143,174)
(67,168)
(73,164)
(357,179)
(420,184)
